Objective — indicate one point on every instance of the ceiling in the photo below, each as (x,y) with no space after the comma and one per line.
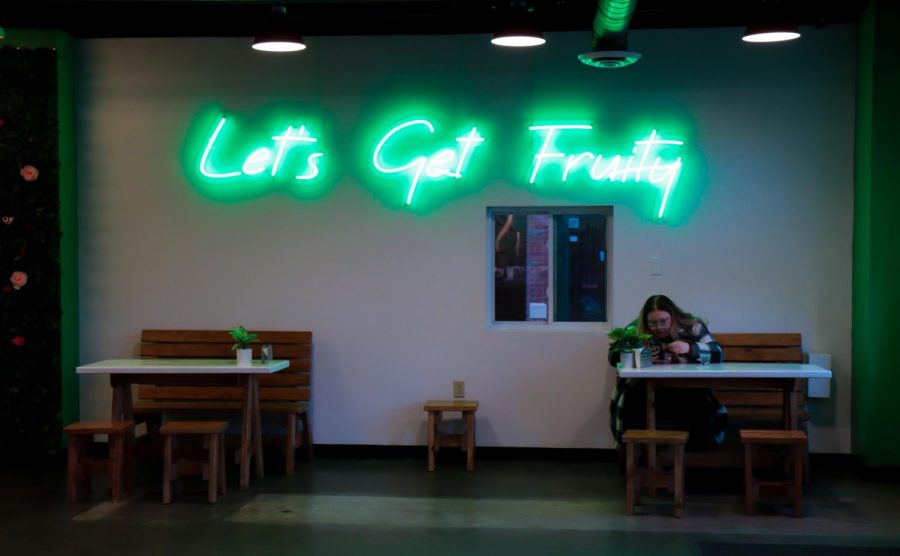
(227,18)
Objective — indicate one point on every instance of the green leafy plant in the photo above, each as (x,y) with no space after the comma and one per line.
(625,339)
(242,337)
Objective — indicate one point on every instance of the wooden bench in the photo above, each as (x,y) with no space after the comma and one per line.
(286,393)
(756,406)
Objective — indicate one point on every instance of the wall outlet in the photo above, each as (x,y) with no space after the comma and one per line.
(459,389)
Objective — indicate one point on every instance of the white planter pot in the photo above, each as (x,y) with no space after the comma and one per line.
(637,357)
(627,358)
(244,357)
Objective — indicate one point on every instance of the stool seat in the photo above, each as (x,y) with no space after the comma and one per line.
(213,433)
(651,477)
(80,467)
(437,437)
(796,441)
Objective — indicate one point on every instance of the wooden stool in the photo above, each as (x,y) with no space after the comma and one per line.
(652,478)
(80,466)
(464,439)
(214,469)
(792,486)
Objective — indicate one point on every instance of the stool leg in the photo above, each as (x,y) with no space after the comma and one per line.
(167,470)
(629,478)
(679,480)
(431,433)
(128,464)
(748,479)
(797,482)
(470,441)
(222,486)
(116,463)
(213,487)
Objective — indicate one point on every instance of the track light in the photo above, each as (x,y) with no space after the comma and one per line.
(518,28)
(279,35)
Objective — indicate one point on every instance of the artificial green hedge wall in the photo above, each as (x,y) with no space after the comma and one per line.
(30,394)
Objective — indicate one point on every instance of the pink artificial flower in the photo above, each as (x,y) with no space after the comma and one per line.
(18,340)
(8,220)
(29,173)
(18,279)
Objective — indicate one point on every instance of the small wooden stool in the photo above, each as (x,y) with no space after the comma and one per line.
(214,468)
(80,466)
(652,478)
(438,439)
(792,486)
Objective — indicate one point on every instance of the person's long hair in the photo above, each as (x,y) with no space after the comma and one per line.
(681,320)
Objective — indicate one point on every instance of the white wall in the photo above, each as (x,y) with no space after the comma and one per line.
(396,301)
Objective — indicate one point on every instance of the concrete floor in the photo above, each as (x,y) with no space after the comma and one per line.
(355,506)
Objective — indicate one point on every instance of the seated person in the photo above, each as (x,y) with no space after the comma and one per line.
(678,337)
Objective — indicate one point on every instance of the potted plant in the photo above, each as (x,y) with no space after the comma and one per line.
(242,345)
(628,342)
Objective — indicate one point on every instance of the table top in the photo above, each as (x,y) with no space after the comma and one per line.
(451,405)
(729,370)
(180,366)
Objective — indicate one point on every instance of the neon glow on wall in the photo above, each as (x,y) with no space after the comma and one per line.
(409,157)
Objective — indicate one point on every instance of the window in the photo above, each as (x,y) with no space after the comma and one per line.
(549,264)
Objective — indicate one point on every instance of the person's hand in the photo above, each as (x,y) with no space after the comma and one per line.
(679,347)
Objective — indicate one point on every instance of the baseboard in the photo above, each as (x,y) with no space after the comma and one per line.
(482,453)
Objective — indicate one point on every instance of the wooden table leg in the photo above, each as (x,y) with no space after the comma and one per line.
(679,480)
(470,440)
(246,434)
(431,439)
(253,384)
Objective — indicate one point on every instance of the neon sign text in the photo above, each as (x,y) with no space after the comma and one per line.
(264,158)
(447,162)
(637,167)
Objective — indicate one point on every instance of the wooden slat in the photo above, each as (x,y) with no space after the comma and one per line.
(194,427)
(768,436)
(191,392)
(284,379)
(763,354)
(764,398)
(754,339)
(219,393)
(149,406)
(644,436)
(98,427)
(219,351)
(223,336)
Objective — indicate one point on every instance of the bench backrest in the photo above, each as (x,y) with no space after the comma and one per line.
(752,347)
(289,385)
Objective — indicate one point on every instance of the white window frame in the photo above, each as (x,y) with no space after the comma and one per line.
(550,325)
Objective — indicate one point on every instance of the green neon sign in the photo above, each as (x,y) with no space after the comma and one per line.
(444,163)
(232,160)
(263,158)
(644,164)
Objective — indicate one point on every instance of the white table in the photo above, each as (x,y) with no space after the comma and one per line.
(782,376)
(125,372)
